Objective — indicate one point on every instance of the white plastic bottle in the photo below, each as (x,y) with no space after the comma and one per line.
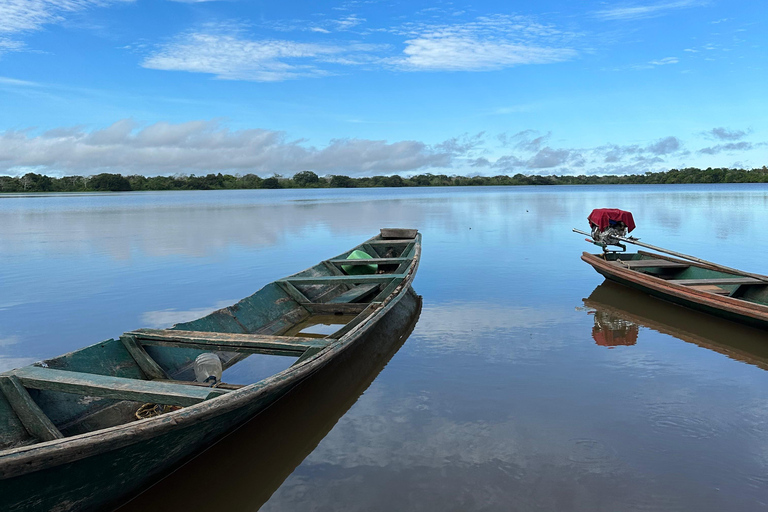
(208,368)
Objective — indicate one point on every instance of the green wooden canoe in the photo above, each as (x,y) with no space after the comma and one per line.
(709,288)
(69,437)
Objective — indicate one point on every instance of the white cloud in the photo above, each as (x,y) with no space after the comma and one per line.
(664,61)
(19,16)
(206,146)
(633,12)
(488,43)
(235,58)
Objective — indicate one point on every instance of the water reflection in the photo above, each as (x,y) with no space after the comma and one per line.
(243,470)
(620,310)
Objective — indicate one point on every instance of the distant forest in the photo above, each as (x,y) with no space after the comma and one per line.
(105,182)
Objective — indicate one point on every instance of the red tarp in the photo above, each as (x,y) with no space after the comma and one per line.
(602,216)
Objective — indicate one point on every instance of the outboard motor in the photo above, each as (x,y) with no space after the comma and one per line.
(609,223)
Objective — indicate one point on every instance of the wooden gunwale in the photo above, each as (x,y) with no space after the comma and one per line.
(668,287)
(27,459)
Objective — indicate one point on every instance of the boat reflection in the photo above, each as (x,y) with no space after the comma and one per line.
(620,311)
(243,470)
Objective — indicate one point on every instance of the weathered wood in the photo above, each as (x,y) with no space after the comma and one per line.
(366,278)
(310,352)
(118,388)
(149,366)
(360,318)
(711,289)
(370,261)
(31,416)
(353,294)
(220,385)
(398,233)
(332,308)
(383,294)
(333,268)
(293,292)
(254,343)
(391,242)
(717,281)
(652,263)
(370,250)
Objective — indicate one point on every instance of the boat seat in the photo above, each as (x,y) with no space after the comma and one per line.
(718,281)
(229,342)
(354,294)
(656,263)
(710,288)
(119,388)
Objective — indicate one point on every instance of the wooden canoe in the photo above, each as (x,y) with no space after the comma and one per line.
(69,437)
(707,288)
(736,341)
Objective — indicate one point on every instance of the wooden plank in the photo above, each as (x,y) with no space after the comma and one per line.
(653,263)
(333,268)
(387,290)
(367,278)
(306,355)
(149,366)
(370,250)
(717,281)
(293,292)
(232,342)
(220,385)
(118,388)
(31,416)
(363,316)
(404,241)
(370,261)
(398,233)
(330,308)
(711,289)
(353,294)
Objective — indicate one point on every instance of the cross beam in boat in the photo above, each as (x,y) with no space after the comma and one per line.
(717,281)
(393,241)
(229,342)
(371,261)
(653,264)
(367,278)
(119,388)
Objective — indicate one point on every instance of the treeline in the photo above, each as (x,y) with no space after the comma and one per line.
(105,182)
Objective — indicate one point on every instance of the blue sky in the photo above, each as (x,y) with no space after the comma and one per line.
(381,87)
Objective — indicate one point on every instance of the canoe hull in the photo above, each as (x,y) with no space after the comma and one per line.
(729,308)
(102,467)
(108,478)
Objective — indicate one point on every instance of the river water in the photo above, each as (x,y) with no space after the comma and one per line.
(526,384)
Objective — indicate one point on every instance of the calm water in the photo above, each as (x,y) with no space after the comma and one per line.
(525,385)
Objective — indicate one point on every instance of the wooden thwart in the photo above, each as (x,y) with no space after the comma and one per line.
(29,413)
(653,263)
(367,278)
(371,261)
(118,388)
(394,241)
(717,281)
(334,308)
(231,342)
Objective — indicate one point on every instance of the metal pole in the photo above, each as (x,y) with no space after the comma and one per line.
(681,255)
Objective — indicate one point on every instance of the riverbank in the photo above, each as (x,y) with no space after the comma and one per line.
(106,182)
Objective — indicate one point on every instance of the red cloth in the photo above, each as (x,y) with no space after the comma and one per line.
(601,216)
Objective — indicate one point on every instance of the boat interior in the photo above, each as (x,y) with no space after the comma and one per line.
(296,317)
(694,276)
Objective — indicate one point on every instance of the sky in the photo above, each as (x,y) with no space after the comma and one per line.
(374,87)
